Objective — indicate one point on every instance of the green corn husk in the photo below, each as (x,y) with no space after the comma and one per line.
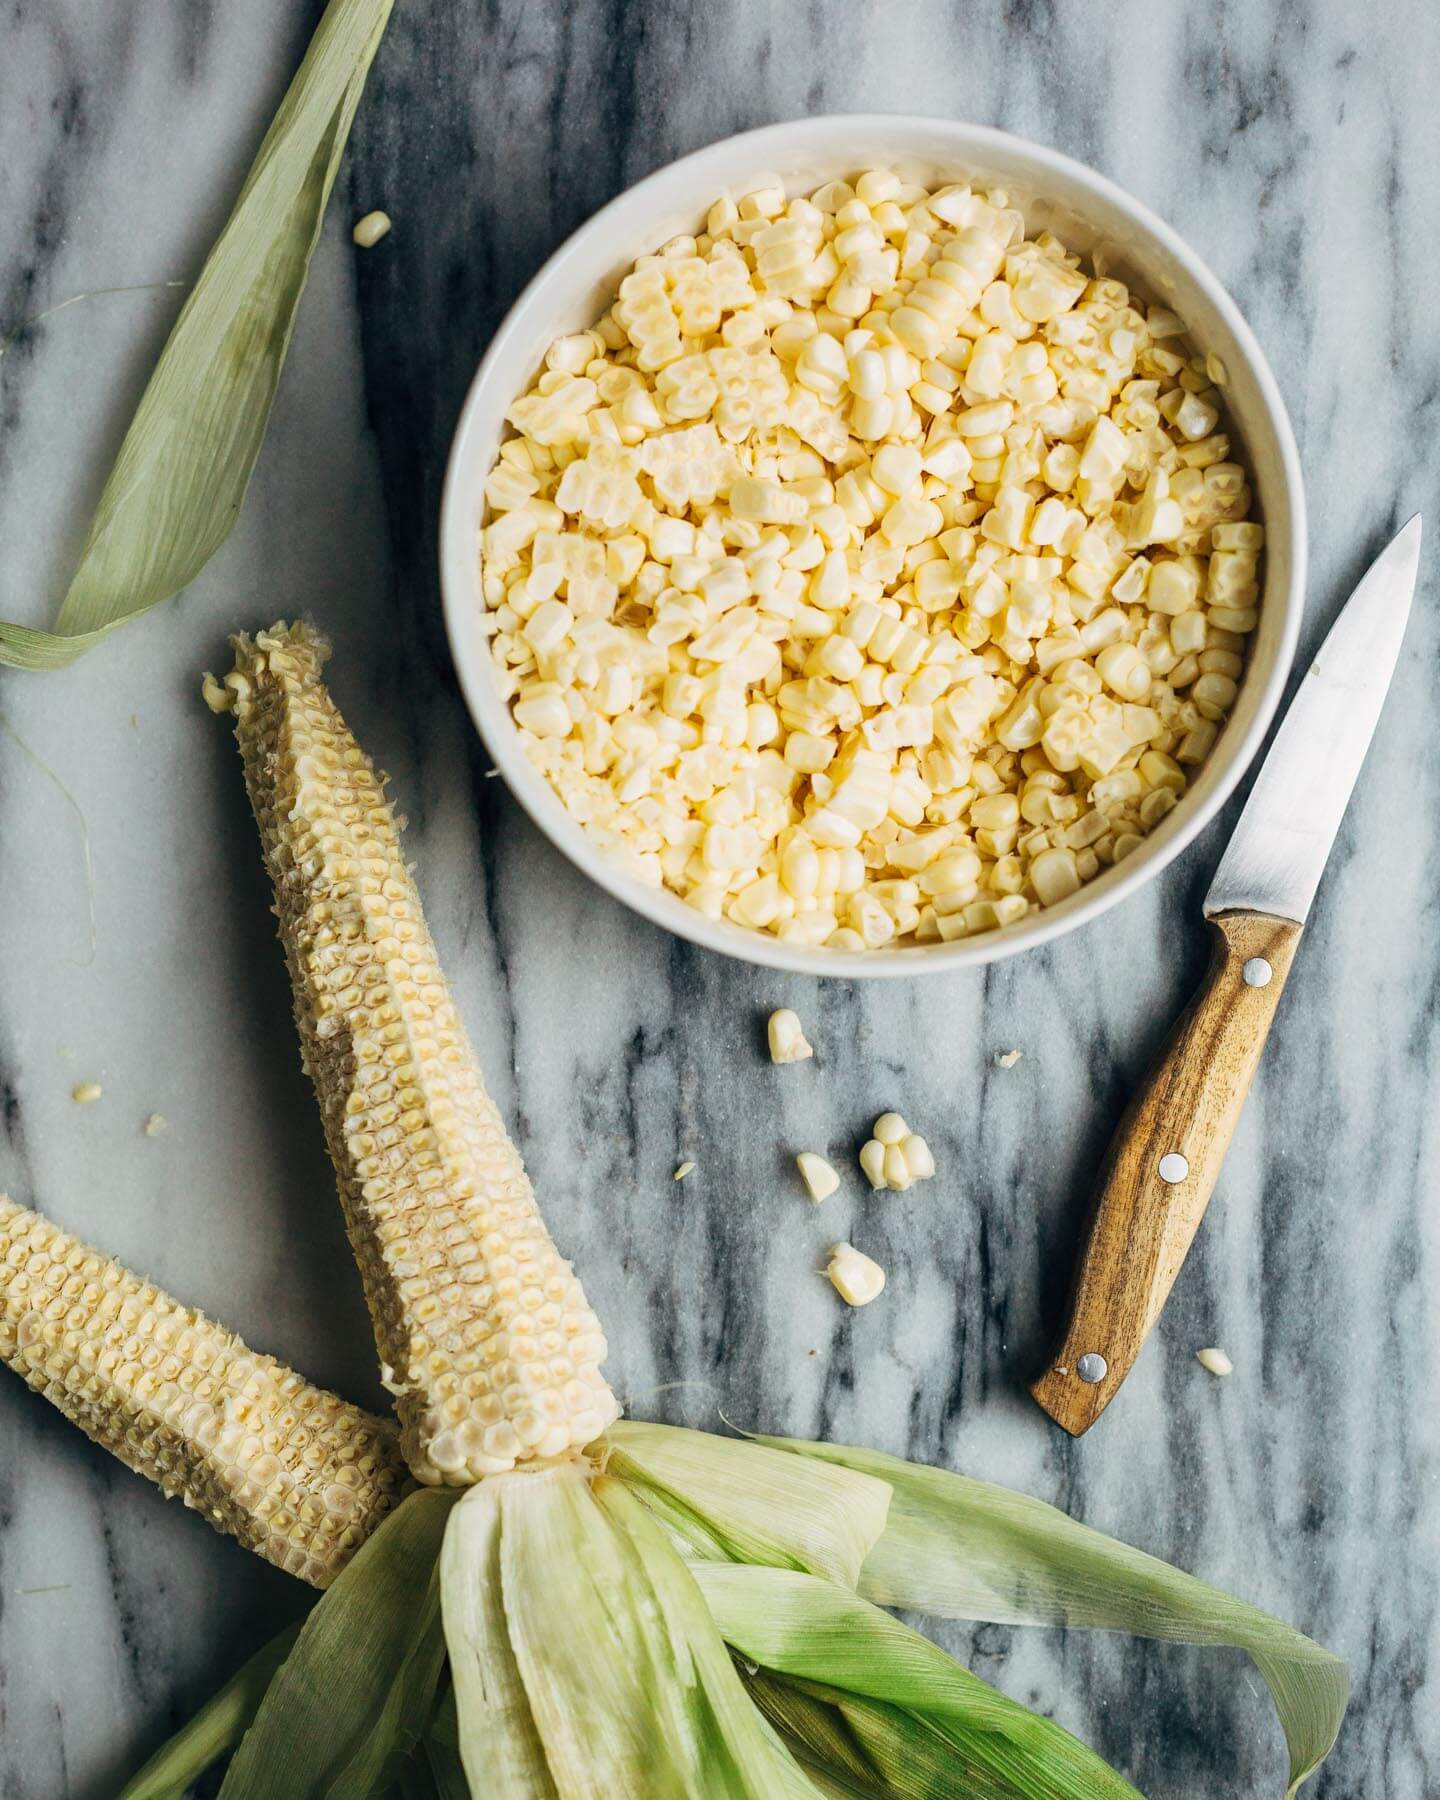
(358,1690)
(744,1756)
(179,480)
(214,1731)
(499,1744)
(812,1725)
(629,1688)
(432,1770)
(441,1752)
(735,1500)
(586,1612)
(906,1756)
(963,1549)
(797,1625)
(868,1749)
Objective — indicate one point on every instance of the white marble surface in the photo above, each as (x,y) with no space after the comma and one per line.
(1299,149)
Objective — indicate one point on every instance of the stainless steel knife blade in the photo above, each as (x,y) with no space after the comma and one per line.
(1275,859)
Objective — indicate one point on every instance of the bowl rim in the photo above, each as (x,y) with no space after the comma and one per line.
(459,582)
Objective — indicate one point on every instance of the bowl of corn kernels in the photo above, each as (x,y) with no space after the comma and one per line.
(873,545)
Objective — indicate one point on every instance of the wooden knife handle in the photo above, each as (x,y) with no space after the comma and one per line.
(1162,1166)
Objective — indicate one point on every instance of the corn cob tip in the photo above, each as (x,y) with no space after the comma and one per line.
(299,649)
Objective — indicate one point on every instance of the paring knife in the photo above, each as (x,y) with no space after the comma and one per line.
(1163,1163)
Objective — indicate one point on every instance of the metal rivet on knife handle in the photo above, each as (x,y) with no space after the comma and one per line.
(1257,972)
(1092,1366)
(1173,1167)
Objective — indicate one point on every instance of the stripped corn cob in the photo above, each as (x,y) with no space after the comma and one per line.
(492,1350)
(295,1473)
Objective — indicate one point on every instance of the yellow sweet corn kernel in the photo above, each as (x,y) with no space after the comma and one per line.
(857,1278)
(295,1473)
(491,1348)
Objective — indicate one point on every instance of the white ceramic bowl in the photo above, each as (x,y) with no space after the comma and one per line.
(1090,214)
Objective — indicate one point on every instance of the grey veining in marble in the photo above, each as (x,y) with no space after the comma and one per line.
(1298,147)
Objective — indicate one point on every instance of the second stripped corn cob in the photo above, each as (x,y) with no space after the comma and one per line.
(295,1473)
(493,1352)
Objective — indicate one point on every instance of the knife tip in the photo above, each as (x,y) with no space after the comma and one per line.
(1402,553)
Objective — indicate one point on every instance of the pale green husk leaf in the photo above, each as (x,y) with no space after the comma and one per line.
(957,1548)
(748,1758)
(915,1758)
(441,1751)
(868,1749)
(736,1499)
(358,1690)
(819,1737)
(982,1743)
(214,1731)
(499,1746)
(619,1675)
(832,1786)
(180,477)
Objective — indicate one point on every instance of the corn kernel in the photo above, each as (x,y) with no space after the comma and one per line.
(1055,876)
(368,231)
(788,1043)
(855,1277)
(819,1177)
(872,1162)
(889,1128)
(919,1163)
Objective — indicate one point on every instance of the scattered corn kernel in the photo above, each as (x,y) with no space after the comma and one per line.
(1007,1059)
(788,1042)
(86,1092)
(852,520)
(686,1168)
(889,1128)
(156,1124)
(919,1163)
(856,1278)
(369,230)
(817,1174)
(872,1162)
(896,1157)
(1216,1361)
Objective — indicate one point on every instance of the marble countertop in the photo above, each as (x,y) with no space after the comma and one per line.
(1299,150)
